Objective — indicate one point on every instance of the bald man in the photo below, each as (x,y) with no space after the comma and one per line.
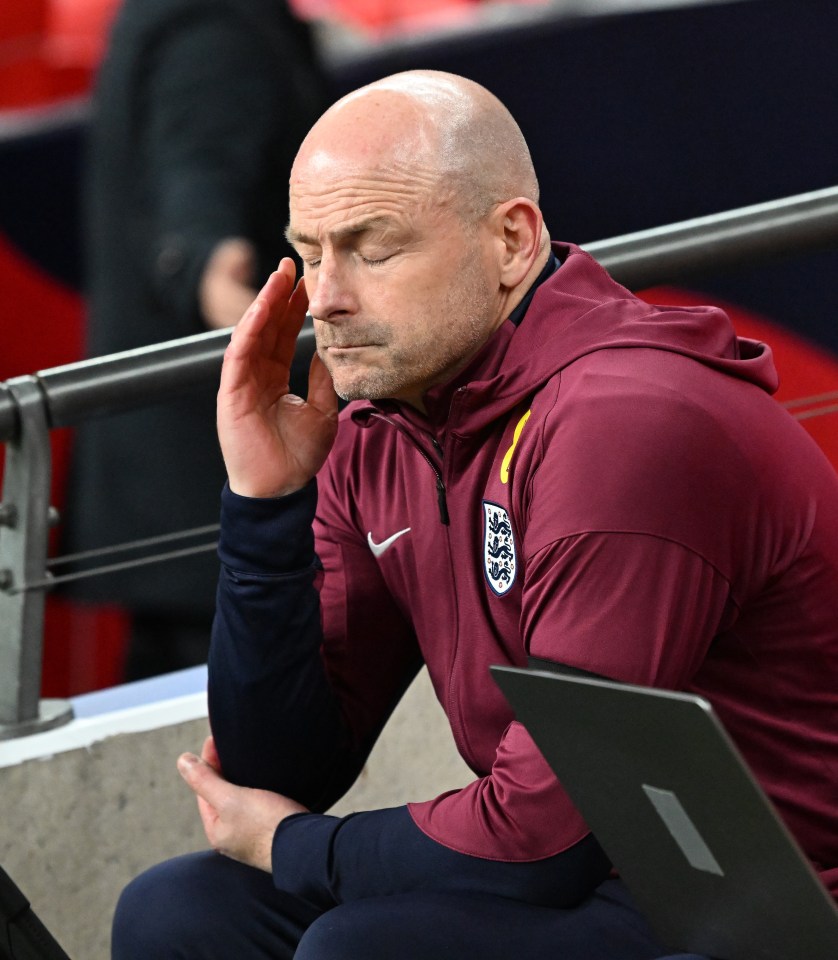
(534,463)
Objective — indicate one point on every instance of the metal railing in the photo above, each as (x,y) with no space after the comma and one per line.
(30,406)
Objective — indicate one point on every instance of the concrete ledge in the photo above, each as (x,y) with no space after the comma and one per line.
(90,805)
(132,708)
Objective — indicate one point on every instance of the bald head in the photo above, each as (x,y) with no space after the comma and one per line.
(449,133)
(413,208)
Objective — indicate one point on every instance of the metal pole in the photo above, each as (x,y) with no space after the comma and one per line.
(23,549)
(131,379)
(125,381)
(808,221)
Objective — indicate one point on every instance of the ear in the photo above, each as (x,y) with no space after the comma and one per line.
(518,236)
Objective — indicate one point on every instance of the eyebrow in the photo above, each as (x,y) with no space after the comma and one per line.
(366,225)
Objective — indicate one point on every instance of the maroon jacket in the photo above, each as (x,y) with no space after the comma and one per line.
(608,485)
(624,497)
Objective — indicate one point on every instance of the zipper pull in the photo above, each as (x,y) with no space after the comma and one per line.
(440,499)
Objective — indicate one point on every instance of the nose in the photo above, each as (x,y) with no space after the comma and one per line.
(330,291)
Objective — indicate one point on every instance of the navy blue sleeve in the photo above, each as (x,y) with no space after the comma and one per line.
(276,722)
(330,860)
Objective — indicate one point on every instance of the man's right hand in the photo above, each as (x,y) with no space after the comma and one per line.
(273,442)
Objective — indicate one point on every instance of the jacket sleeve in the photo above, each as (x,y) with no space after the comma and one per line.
(330,860)
(284,716)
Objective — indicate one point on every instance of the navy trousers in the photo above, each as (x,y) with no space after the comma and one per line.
(206,907)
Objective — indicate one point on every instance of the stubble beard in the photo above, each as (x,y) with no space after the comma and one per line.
(430,360)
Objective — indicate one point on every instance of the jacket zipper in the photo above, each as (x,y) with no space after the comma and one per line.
(442,502)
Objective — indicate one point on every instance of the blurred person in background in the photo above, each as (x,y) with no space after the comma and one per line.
(198,109)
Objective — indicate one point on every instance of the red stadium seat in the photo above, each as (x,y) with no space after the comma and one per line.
(49,49)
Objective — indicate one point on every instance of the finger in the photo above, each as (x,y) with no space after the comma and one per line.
(281,281)
(245,344)
(289,325)
(300,293)
(280,284)
(255,336)
(321,390)
(210,755)
(271,328)
(246,332)
(275,292)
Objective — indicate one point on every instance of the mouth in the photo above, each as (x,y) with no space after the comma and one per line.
(346,348)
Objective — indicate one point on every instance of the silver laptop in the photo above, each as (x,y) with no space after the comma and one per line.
(673,804)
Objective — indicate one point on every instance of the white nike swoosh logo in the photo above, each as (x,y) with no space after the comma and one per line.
(380,548)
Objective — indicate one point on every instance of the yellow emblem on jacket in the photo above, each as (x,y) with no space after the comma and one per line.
(507,460)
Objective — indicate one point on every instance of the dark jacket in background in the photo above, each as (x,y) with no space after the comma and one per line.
(199,109)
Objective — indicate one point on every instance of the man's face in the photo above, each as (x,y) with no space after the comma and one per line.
(402,292)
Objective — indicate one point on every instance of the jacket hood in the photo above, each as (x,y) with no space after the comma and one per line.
(576,311)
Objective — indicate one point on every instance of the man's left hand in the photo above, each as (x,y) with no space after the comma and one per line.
(239,822)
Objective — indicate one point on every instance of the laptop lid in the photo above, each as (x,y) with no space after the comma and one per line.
(22,934)
(673,804)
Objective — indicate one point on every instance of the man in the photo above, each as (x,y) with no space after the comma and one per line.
(537,463)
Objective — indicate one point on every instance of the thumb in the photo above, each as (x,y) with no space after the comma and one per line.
(203,779)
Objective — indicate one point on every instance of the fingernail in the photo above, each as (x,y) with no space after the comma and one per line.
(187,760)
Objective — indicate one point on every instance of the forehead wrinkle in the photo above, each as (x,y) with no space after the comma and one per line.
(336,209)
(382,222)
(360,191)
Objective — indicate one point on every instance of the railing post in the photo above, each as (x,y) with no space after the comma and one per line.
(24,529)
